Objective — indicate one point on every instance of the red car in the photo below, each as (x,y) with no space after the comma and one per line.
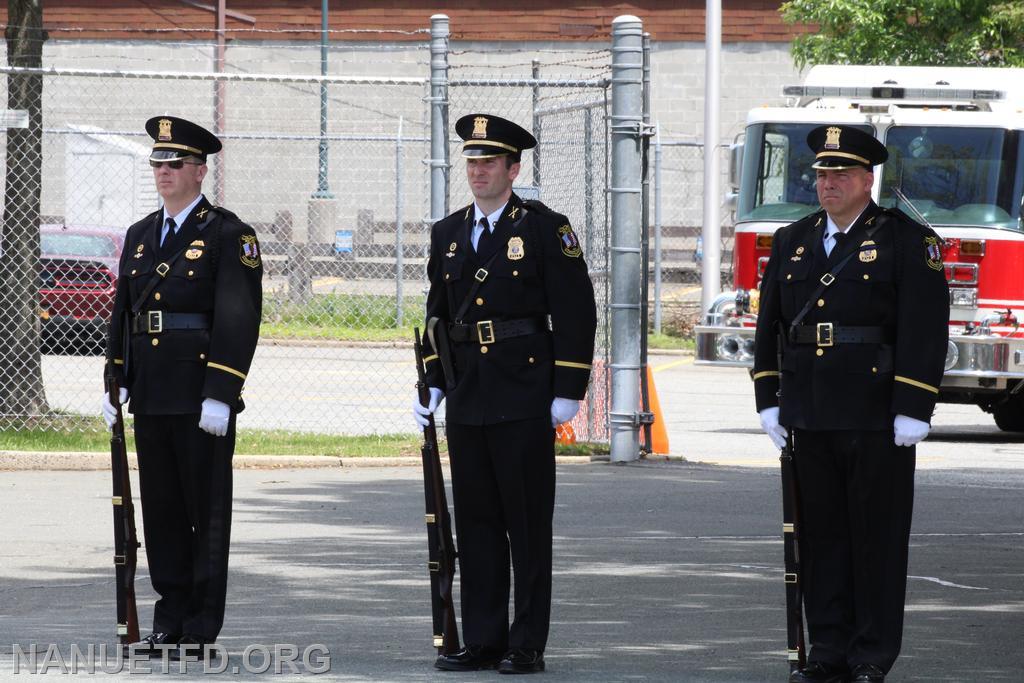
(78,272)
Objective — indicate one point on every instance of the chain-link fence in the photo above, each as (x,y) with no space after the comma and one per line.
(343,216)
(677,250)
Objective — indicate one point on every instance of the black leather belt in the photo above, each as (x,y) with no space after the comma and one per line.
(155,322)
(827,334)
(490,331)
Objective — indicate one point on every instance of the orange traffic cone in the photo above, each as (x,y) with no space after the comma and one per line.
(659,434)
(565,433)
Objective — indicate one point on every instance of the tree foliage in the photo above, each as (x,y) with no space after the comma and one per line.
(909,32)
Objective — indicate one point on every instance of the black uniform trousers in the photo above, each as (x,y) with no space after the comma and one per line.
(857,499)
(503,485)
(185,482)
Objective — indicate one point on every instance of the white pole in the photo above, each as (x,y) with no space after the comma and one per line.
(711,268)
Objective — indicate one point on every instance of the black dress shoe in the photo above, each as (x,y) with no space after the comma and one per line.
(189,646)
(469,658)
(522,662)
(867,673)
(155,644)
(820,672)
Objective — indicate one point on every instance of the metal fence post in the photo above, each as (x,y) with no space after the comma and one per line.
(439,161)
(657,231)
(625,190)
(535,70)
(399,248)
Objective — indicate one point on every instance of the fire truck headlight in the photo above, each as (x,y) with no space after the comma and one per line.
(963,297)
(952,355)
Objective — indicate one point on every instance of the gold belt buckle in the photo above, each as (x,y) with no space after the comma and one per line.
(823,334)
(155,322)
(485,332)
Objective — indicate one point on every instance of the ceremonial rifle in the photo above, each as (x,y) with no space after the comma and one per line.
(790,544)
(126,541)
(440,544)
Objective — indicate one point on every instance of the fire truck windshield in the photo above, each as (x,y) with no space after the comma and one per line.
(777,181)
(957,176)
(953,176)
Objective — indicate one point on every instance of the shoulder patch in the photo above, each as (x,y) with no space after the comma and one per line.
(249,251)
(933,254)
(570,244)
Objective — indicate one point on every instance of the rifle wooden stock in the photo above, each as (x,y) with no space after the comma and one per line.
(440,544)
(791,552)
(126,541)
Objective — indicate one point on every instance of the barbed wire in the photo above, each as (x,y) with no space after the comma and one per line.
(182,29)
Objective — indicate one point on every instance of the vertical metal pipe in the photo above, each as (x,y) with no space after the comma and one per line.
(625,190)
(219,87)
(536,124)
(657,231)
(399,247)
(711,270)
(322,189)
(439,155)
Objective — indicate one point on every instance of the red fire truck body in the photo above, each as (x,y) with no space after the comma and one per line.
(956,154)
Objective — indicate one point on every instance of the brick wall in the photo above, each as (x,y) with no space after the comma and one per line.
(533,20)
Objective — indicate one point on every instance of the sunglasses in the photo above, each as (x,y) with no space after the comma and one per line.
(176,164)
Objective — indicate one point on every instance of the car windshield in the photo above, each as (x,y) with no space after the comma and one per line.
(777,181)
(957,176)
(63,243)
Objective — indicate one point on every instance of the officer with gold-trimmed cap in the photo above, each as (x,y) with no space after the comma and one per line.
(491,136)
(175,138)
(855,305)
(509,286)
(841,147)
(182,336)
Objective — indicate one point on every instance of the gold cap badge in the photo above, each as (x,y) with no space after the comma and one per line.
(165,130)
(480,127)
(832,137)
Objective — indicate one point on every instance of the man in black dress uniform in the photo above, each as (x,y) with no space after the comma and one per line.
(184,329)
(858,297)
(509,285)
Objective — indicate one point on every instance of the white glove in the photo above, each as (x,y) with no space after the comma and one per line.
(563,410)
(421,413)
(908,430)
(770,424)
(215,417)
(108,409)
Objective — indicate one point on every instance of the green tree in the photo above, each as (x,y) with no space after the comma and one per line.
(909,32)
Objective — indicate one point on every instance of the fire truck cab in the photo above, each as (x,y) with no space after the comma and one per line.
(956,153)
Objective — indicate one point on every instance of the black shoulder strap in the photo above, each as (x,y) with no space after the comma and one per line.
(163,268)
(478,279)
(828,278)
(161,272)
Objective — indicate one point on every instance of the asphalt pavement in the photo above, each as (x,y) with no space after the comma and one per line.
(664,571)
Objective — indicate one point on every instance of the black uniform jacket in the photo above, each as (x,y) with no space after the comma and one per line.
(894,281)
(218,273)
(537,270)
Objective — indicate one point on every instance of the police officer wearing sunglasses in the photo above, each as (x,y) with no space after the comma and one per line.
(182,336)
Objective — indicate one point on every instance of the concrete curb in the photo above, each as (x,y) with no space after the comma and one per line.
(11,461)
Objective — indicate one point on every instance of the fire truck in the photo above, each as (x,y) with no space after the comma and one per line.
(956,162)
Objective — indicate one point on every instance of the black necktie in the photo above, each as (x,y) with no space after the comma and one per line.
(840,238)
(485,236)
(172,228)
